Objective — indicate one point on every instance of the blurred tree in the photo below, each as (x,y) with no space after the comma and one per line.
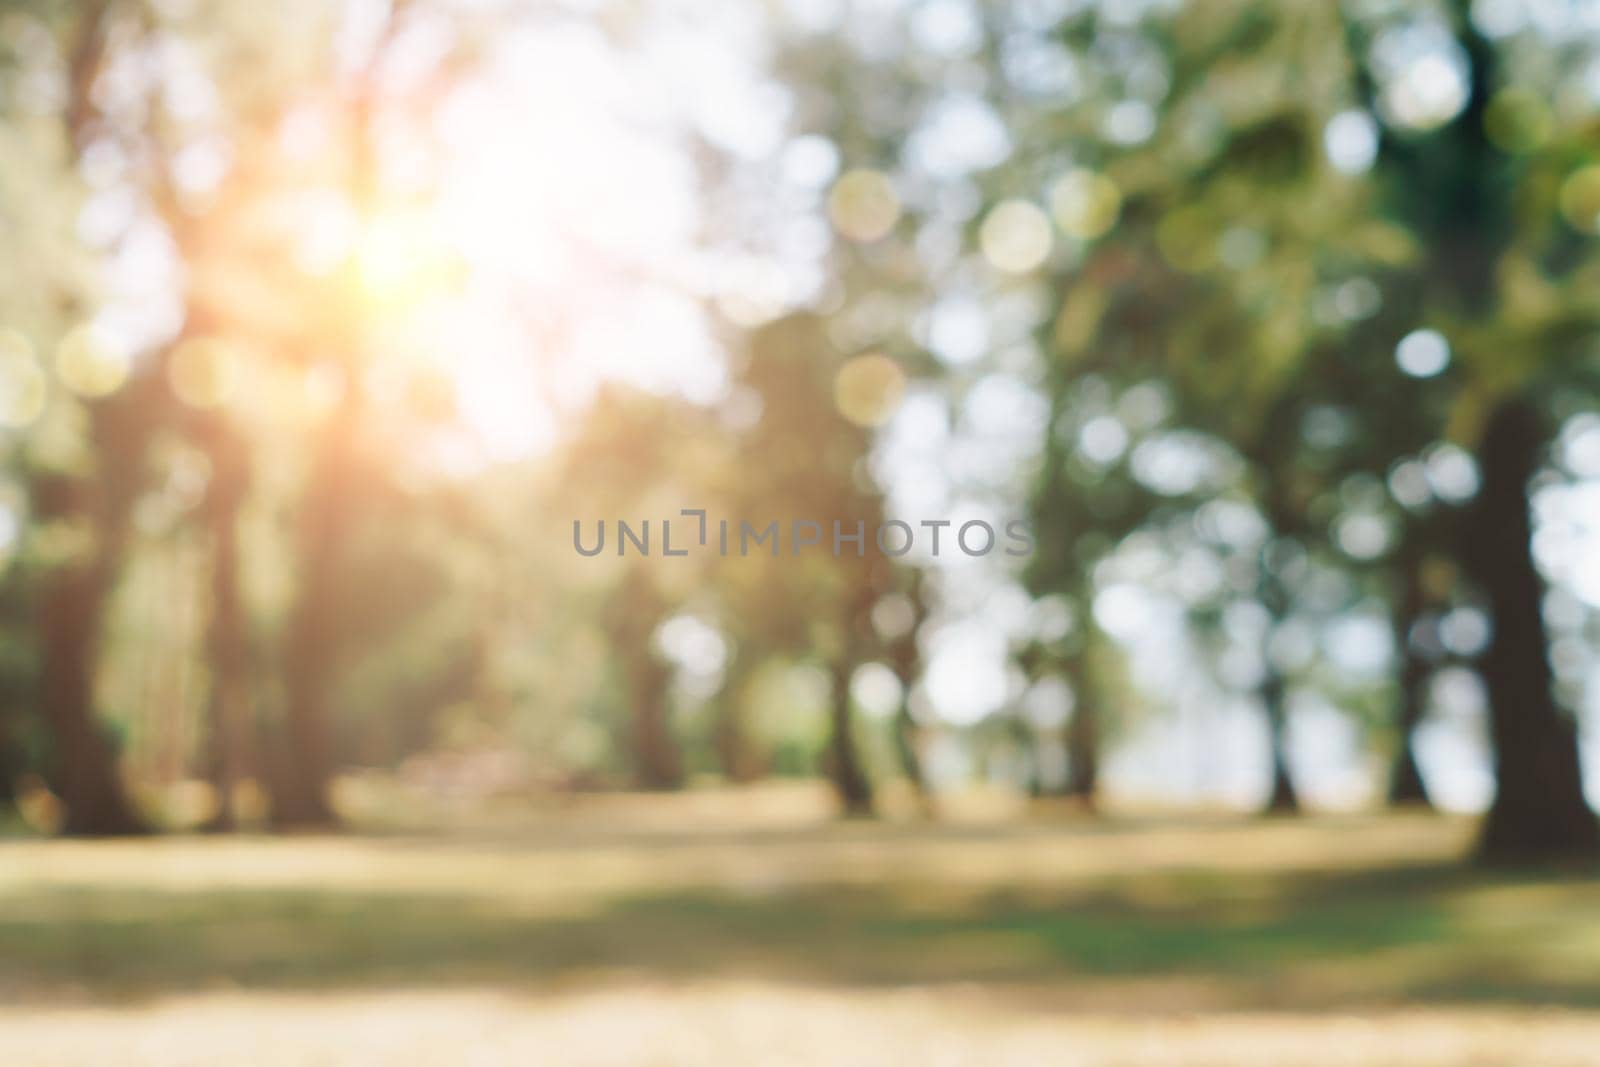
(640,459)
(1485,220)
(1080,512)
(230,715)
(804,462)
(898,621)
(92,499)
(1539,808)
(343,466)
(1239,188)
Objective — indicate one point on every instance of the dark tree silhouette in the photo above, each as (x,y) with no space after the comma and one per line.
(1539,809)
(1408,603)
(633,616)
(228,653)
(304,770)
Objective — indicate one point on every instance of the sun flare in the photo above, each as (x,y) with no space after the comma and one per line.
(549,244)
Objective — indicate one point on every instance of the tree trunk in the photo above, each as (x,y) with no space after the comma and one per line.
(86,777)
(905,660)
(637,608)
(905,745)
(1283,799)
(227,643)
(1287,518)
(300,789)
(9,773)
(1406,787)
(844,758)
(657,762)
(83,771)
(1083,753)
(13,753)
(73,597)
(736,753)
(1539,812)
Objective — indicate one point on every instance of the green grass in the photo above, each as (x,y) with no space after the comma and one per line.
(1242,911)
(1134,920)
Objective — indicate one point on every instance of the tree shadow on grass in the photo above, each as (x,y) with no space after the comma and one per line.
(1306,942)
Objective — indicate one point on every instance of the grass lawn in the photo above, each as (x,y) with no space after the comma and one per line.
(658,933)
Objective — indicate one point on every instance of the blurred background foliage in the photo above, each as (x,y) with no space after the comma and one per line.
(321,326)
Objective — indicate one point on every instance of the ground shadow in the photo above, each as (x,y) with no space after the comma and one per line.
(1306,941)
